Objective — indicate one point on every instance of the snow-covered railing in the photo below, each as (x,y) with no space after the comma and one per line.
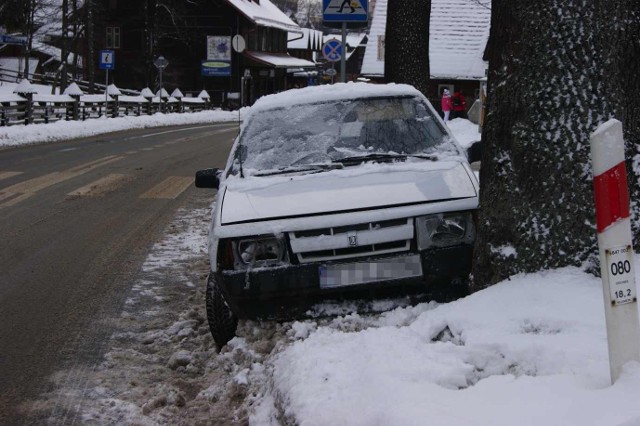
(26,105)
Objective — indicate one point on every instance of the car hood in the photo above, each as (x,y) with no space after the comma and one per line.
(369,186)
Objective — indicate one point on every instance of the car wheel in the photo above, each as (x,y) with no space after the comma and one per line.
(222,322)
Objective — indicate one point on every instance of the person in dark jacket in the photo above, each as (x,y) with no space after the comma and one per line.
(458,105)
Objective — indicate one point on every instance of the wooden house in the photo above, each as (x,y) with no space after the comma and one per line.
(196,39)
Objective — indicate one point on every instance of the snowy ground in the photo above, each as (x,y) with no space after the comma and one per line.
(529,351)
(465,131)
(65,130)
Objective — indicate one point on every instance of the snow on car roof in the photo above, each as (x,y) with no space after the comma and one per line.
(332,92)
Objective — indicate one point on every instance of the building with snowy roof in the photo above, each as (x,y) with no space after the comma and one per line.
(458,35)
(196,40)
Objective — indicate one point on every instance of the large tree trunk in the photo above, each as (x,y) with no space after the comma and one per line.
(620,45)
(406,58)
(557,70)
(546,95)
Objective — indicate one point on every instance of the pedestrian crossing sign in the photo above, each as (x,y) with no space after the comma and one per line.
(345,10)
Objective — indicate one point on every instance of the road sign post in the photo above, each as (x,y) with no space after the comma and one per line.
(107,61)
(332,50)
(615,246)
(343,57)
(345,14)
(160,63)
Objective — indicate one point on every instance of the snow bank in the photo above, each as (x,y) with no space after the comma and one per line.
(529,351)
(64,130)
(465,131)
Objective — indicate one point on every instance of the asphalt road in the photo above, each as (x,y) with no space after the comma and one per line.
(76,221)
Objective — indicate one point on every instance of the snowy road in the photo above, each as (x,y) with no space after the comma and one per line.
(77,219)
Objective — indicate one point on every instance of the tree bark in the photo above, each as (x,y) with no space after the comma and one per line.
(406,58)
(547,93)
(620,47)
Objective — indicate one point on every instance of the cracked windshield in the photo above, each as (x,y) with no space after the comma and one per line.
(333,133)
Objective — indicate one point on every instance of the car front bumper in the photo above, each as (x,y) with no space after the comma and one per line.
(286,292)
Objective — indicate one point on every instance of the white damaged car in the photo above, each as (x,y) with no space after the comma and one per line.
(333,191)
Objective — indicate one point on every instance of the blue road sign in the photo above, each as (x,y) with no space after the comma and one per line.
(345,10)
(8,39)
(332,50)
(107,60)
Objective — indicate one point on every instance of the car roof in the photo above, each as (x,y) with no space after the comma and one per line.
(333,92)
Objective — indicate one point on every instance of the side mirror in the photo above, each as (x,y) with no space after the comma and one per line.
(474,152)
(208,178)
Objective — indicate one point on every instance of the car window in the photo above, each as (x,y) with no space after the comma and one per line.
(326,132)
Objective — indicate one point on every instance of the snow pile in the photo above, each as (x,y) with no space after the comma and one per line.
(464,131)
(64,130)
(529,351)
(8,88)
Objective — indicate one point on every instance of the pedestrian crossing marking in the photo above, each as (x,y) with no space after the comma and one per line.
(45,181)
(36,184)
(7,175)
(10,199)
(29,187)
(102,186)
(86,167)
(169,188)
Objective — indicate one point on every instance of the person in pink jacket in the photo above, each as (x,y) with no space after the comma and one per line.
(446,104)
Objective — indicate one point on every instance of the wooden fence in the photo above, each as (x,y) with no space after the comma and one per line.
(36,108)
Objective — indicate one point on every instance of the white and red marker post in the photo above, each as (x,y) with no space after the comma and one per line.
(615,245)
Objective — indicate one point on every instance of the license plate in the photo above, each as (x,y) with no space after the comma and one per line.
(346,274)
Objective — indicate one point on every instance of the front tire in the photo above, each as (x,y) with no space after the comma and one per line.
(222,322)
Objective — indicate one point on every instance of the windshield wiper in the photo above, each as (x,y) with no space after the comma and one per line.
(314,168)
(378,156)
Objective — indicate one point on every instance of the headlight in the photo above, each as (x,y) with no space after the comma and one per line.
(259,251)
(445,229)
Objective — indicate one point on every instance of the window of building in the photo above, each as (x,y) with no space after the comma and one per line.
(113,37)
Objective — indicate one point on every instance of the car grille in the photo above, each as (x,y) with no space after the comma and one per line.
(359,240)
